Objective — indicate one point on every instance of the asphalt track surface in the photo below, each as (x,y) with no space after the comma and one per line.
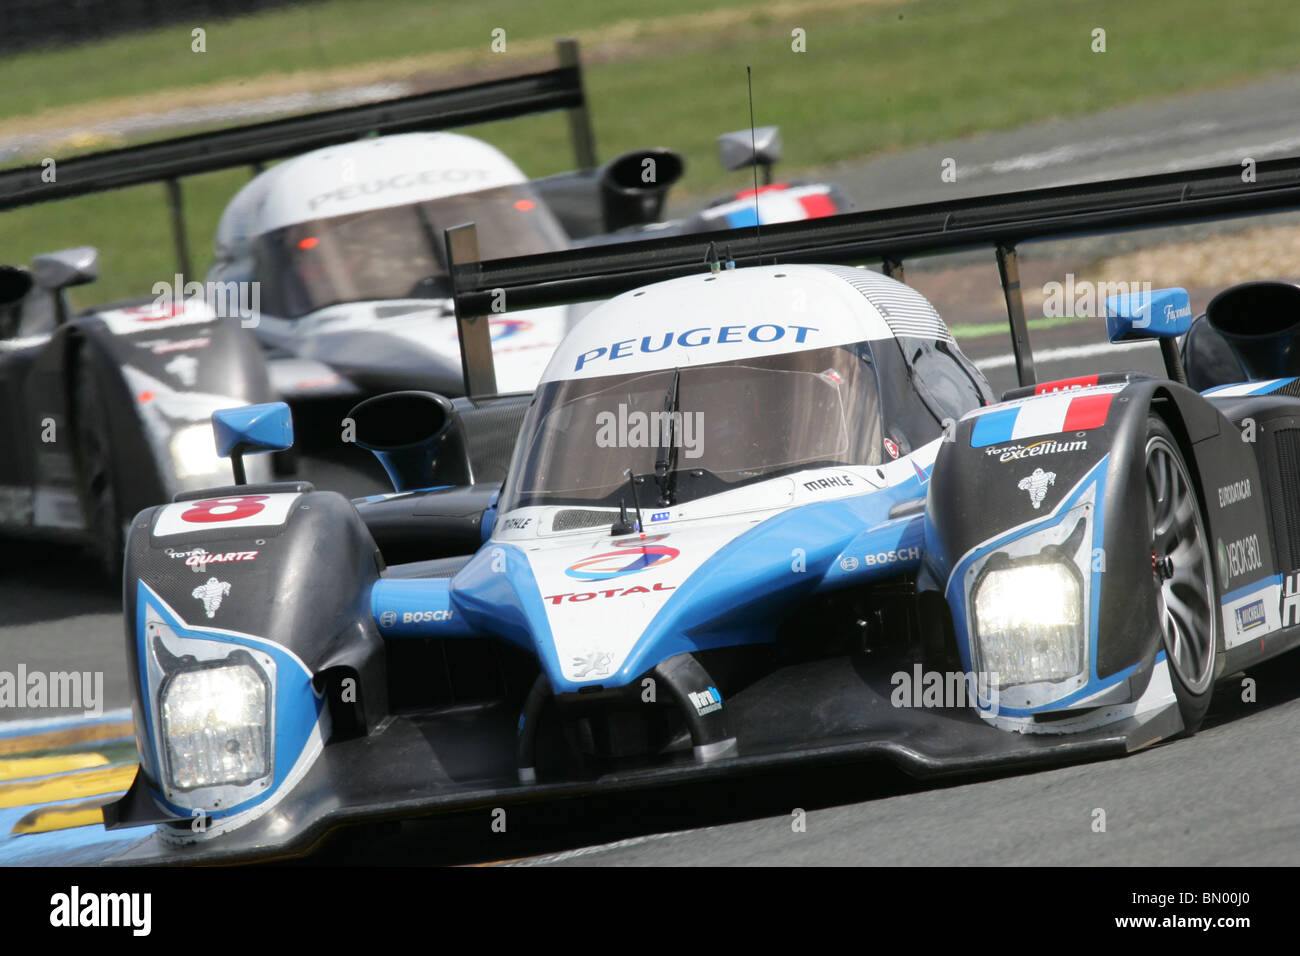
(1230,795)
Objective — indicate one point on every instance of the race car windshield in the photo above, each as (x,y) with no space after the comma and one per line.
(396,252)
(736,422)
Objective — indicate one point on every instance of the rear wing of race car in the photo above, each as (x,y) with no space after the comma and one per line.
(884,235)
(167,161)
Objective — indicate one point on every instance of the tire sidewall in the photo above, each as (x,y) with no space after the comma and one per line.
(1191,705)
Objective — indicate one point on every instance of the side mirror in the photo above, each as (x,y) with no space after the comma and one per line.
(416,436)
(760,147)
(1158,314)
(66,268)
(251,428)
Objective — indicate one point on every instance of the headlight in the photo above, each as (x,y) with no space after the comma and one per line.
(194,451)
(1029,623)
(214,723)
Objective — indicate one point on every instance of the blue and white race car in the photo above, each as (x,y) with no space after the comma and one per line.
(753,516)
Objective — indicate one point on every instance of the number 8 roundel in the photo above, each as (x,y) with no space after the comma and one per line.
(224,514)
(225,509)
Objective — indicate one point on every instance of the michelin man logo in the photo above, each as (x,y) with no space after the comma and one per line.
(185,368)
(1037,485)
(210,593)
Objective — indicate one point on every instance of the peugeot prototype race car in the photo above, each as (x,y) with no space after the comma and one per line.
(753,516)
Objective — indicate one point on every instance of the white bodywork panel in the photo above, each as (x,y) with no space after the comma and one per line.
(696,320)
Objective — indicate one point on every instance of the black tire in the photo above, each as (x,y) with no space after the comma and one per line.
(95,477)
(1187,606)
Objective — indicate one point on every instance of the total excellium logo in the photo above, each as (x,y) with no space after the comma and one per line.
(615,564)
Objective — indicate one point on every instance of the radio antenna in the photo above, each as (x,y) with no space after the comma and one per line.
(753,148)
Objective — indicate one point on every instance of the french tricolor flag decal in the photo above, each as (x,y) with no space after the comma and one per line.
(1049,415)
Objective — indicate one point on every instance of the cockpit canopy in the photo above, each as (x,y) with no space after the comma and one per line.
(396,252)
(694,431)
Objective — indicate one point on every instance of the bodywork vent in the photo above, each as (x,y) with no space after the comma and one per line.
(575,518)
(905,311)
(1286,445)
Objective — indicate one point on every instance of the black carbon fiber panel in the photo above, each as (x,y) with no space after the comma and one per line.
(1286,443)
(490,431)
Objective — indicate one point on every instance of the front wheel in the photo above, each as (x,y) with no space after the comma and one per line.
(1181,564)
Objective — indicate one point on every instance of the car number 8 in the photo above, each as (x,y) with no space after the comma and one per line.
(225,509)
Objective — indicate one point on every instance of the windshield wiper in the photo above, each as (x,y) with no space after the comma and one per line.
(666,460)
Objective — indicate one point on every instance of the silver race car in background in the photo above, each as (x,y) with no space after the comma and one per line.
(329,284)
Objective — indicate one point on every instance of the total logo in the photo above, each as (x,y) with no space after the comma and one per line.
(506,328)
(616,564)
(1048,446)
(578,596)
(502,329)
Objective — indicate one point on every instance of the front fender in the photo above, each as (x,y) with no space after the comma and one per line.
(274,576)
(1017,470)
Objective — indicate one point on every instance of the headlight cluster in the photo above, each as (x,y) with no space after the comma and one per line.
(1029,623)
(194,453)
(1028,610)
(215,726)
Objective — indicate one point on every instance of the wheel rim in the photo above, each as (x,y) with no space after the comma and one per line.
(1185,591)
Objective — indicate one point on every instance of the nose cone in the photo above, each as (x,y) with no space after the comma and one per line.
(613,607)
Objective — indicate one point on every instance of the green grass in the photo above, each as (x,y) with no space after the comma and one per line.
(312,36)
(873,78)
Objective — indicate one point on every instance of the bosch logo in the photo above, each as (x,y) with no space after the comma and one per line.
(388,618)
(889,557)
(423,617)
(615,564)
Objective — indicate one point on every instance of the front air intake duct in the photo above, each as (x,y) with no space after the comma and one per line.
(633,186)
(414,435)
(1259,321)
